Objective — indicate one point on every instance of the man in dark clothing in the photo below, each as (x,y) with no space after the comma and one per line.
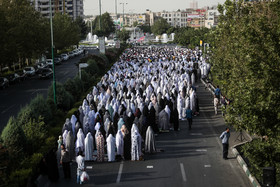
(225,139)
(189,117)
(65,161)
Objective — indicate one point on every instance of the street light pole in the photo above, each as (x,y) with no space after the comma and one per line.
(54,82)
(99,14)
(123,11)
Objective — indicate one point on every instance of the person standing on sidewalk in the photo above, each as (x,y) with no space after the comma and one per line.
(216,102)
(80,166)
(225,141)
(65,161)
(189,117)
(218,92)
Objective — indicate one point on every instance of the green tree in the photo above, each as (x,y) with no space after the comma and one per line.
(13,138)
(66,32)
(36,133)
(64,99)
(107,25)
(21,42)
(246,50)
(123,35)
(160,26)
(83,27)
(135,23)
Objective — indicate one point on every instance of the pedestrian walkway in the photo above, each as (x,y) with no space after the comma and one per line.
(190,157)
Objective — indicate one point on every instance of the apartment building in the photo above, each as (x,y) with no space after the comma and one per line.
(74,8)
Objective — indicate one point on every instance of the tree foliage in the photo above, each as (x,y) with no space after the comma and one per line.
(246,64)
(190,37)
(107,25)
(66,31)
(123,35)
(13,137)
(25,34)
(160,26)
(84,29)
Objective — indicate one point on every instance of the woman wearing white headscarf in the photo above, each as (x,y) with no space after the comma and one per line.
(64,136)
(135,145)
(69,145)
(150,146)
(80,141)
(89,147)
(111,146)
(100,147)
(119,143)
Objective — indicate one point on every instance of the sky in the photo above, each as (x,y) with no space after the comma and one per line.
(91,7)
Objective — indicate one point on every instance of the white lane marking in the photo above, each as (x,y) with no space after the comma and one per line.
(4,111)
(150,167)
(120,173)
(207,166)
(201,150)
(196,134)
(89,167)
(183,172)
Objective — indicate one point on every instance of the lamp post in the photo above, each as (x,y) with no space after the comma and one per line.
(52,47)
(123,11)
(100,15)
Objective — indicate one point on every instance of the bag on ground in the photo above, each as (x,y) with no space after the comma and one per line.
(84,176)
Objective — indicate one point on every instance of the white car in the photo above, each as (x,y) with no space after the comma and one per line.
(64,56)
(71,54)
(49,61)
(29,71)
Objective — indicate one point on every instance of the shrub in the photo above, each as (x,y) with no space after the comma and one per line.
(35,132)
(13,138)
(64,99)
(92,68)
(40,107)
(24,115)
(72,88)
(20,177)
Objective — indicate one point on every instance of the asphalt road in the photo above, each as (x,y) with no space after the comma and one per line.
(191,158)
(18,95)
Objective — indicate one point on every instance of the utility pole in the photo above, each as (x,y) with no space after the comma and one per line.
(116,9)
(100,15)
(52,46)
(123,11)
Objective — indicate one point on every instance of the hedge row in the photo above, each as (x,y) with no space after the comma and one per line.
(33,133)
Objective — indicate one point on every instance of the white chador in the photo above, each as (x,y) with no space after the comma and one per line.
(80,141)
(89,147)
(150,146)
(135,145)
(111,146)
(119,142)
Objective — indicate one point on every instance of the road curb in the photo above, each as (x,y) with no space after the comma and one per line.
(244,166)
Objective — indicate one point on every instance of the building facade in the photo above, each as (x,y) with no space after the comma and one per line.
(73,8)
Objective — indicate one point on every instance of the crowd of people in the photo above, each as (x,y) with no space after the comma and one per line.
(148,91)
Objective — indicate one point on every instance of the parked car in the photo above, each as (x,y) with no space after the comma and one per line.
(49,61)
(4,82)
(29,71)
(22,75)
(71,54)
(57,60)
(64,56)
(13,78)
(45,73)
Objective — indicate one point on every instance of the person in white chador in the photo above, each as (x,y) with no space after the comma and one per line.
(150,146)
(111,146)
(119,143)
(88,147)
(80,141)
(135,145)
